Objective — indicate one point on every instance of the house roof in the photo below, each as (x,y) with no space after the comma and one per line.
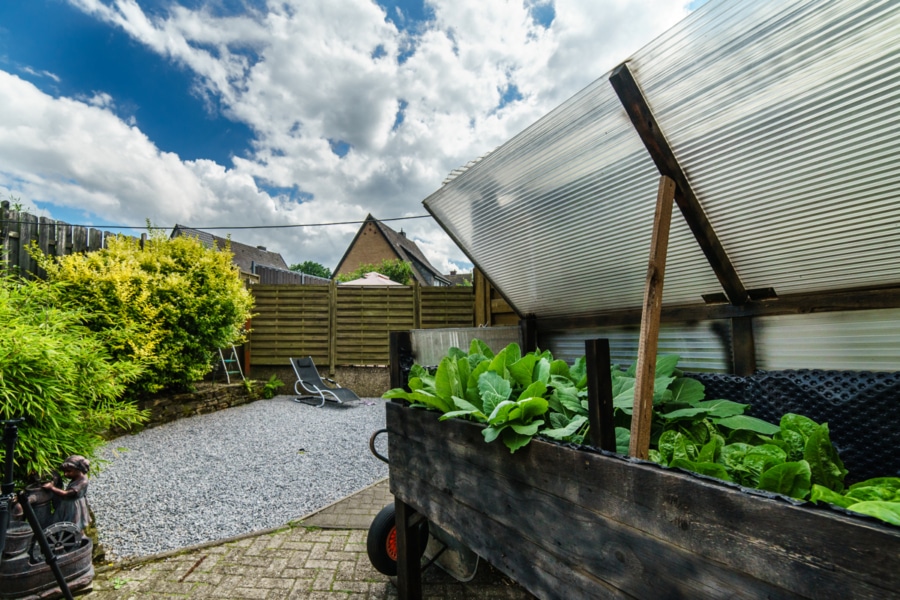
(781,117)
(459,278)
(244,256)
(405,249)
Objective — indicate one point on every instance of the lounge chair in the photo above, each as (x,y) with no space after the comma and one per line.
(310,384)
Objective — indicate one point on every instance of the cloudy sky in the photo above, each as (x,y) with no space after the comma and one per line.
(223,113)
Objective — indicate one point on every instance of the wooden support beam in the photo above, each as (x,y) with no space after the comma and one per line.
(642,414)
(655,141)
(600,397)
(743,346)
(528,333)
(409,571)
(793,304)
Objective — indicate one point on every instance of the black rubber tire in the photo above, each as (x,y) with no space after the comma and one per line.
(381,541)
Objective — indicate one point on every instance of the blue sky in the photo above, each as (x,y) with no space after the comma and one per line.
(244,112)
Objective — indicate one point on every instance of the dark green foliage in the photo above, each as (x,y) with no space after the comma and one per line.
(395,270)
(312,268)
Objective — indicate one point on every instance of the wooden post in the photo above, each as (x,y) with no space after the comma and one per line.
(600,398)
(409,571)
(482,299)
(743,346)
(400,350)
(642,414)
(332,326)
(528,333)
(417,305)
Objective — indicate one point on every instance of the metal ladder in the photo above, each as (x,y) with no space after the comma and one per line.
(230,363)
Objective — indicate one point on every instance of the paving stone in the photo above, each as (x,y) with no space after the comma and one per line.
(311,560)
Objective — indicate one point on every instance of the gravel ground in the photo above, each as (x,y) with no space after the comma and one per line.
(235,471)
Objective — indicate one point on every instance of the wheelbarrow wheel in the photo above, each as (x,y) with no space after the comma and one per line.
(381,542)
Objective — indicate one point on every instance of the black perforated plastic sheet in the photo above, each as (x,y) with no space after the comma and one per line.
(862,410)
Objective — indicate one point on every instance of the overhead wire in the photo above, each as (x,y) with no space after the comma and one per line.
(216,227)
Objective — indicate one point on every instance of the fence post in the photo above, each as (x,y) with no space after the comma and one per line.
(417,305)
(332,326)
(4,236)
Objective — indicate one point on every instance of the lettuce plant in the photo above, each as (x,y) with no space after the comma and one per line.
(519,396)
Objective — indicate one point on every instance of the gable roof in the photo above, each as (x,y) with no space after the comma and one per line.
(405,249)
(244,256)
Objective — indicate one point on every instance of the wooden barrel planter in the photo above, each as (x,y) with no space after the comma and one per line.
(24,573)
(573,523)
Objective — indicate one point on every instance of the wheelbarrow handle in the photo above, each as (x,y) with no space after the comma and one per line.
(372,449)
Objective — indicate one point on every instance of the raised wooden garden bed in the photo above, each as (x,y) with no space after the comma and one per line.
(569,523)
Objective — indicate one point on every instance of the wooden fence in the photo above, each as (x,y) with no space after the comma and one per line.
(347,325)
(19,229)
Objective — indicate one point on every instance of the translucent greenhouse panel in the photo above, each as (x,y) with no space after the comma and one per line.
(560,217)
(866,340)
(702,346)
(431,345)
(786,118)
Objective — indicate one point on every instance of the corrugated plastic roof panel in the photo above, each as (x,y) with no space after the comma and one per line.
(786,119)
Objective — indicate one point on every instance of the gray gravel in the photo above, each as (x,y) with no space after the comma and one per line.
(236,471)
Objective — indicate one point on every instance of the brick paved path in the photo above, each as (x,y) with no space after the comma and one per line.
(325,561)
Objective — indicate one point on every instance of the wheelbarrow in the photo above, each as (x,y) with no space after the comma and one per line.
(438,547)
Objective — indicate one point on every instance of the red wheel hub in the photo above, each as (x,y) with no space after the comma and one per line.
(391,544)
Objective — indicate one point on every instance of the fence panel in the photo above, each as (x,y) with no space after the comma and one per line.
(290,321)
(55,238)
(364,318)
(446,307)
(339,325)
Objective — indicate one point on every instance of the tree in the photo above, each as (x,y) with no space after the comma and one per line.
(312,268)
(169,305)
(395,270)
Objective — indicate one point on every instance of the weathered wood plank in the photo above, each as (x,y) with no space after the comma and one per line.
(802,551)
(651,134)
(543,573)
(28,233)
(649,335)
(409,572)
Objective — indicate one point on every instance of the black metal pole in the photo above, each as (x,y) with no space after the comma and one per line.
(49,558)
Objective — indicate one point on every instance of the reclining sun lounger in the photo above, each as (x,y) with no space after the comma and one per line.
(310,384)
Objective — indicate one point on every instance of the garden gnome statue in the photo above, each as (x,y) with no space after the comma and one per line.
(70,504)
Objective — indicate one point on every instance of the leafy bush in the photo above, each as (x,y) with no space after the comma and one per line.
(395,270)
(169,305)
(59,376)
(311,267)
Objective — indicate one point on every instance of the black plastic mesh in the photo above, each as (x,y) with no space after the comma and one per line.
(862,410)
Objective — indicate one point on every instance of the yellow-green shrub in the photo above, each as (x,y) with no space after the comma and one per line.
(169,305)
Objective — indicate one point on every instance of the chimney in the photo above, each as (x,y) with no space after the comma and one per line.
(263,248)
(452,273)
(403,233)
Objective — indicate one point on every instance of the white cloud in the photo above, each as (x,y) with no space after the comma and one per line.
(302,75)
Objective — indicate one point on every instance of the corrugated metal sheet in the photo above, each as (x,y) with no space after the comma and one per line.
(431,345)
(866,340)
(786,118)
(701,346)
